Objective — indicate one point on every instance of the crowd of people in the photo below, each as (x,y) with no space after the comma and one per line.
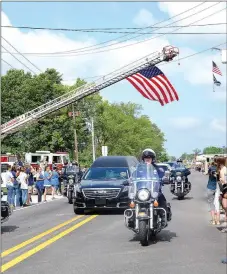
(22,179)
(217,190)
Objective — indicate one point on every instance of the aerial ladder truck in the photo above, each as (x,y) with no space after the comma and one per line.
(167,54)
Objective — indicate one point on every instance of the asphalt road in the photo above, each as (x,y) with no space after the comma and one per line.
(100,244)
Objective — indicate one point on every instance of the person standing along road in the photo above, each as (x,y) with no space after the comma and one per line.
(9,185)
(55,181)
(30,173)
(211,189)
(16,188)
(23,179)
(47,181)
(40,183)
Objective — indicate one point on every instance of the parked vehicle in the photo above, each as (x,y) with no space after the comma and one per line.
(144,215)
(58,158)
(8,158)
(6,210)
(171,164)
(105,184)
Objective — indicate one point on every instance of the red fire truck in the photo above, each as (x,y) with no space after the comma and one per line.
(58,158)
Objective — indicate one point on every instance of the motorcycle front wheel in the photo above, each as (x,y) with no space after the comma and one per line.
(143,233)
(180,196)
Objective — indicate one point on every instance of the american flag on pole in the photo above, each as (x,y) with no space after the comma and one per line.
(216,69)
(216,82)
(152,83)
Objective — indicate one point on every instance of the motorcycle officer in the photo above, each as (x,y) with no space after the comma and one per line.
(179,165)
(80,172)
(149,157)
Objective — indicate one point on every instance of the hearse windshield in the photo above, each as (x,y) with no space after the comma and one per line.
(107,173)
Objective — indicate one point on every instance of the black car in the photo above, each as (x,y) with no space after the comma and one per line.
(105,184)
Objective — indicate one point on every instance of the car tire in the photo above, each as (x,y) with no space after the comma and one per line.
(78,211)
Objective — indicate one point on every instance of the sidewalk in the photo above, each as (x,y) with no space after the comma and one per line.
(35,200)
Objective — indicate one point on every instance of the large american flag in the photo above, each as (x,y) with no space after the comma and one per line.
(152,83)
(216,69)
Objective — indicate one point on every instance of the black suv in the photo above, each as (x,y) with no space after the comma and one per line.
(105,184)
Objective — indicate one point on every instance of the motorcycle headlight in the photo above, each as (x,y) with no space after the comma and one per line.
(143,194)
(178,178)
(71,181)
(154,195)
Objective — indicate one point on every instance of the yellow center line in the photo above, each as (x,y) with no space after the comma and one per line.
(36,249)
(37,237)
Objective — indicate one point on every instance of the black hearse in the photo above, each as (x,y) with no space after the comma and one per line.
(105,184)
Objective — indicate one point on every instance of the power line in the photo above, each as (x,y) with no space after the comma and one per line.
(7,63)
(19,60)
(138,42)
(107,30)
(162,64)
(113,40)
(21,54)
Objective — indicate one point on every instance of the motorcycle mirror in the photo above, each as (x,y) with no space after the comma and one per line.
(125,183)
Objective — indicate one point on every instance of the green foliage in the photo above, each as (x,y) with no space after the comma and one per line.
(172,158)
(213,150)
(186,156)
(121,126)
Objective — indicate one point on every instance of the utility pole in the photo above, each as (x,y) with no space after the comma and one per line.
(75,134)
(93,138)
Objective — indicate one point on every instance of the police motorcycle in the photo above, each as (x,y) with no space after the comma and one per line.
(179,184)
(143,217)
(71,176)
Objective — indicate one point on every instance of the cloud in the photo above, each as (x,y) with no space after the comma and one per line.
(210,10)
(219,95)
(184,123)
(144,18)
(218,125)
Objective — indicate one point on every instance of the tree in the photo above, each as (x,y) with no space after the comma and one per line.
(125,131)
(163,157)
(172,158)
(186,156)
(212,150)
(197,151)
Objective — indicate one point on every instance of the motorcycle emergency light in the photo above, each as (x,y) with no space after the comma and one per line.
(132,204)
(155,203)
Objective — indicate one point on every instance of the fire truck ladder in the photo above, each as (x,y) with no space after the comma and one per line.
(167,54)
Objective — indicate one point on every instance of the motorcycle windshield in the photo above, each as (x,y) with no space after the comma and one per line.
(145,176)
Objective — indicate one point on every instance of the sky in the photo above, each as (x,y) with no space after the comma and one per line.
(197,120)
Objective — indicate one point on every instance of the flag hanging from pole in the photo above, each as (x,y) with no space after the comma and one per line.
(215,81)
(152,84)
(216,69)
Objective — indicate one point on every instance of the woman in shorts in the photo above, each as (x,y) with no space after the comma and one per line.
(47,181)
